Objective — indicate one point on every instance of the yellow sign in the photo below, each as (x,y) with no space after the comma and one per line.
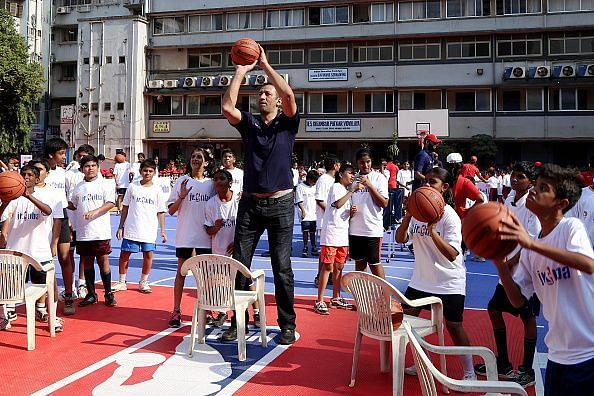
(161,127)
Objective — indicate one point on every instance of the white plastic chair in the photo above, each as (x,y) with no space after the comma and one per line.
(14,289)
(215,283)
(427,372)
(374,298)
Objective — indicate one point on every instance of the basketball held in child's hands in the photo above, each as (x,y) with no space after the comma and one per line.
(480,230)
(120,158)
(12,185)
(245,51)
(426,204)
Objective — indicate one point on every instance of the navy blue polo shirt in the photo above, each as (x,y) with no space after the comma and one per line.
(267,152)
(423,164)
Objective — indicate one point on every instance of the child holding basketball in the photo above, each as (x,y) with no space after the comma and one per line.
(522,178)
(306,202)
(188,199)
(142,210)
(91,201)
(439,268)
(334,240)
(557,265)
(366,226)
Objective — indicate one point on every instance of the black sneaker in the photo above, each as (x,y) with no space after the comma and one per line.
(110,300)
(68,304)
(304,254)
(11,316)
(257,319)
(505,373)
(230,334)
(287,337)
(175,320)
(525,377)
(220,320)
(89,299)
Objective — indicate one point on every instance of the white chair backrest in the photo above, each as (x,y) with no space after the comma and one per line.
(373,297)
(13,275)
(215,279)
(423,363)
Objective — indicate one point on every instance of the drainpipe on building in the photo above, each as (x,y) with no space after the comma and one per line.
(99,89)
(132,86)
(89,104)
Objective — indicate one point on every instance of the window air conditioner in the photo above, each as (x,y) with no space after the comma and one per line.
(585,70)
(63,10)
(189,82)
(518,72)
(542,72)
(224,81)
(155,84)
(171,83)
(564,71)
(206,81)
(261,79)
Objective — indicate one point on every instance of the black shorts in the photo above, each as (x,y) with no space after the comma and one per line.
(65,229)
(500,302)
(308,226)
(93,248)
(37,277)
(73,240)
(453,304)
(186,253)
(365,248)
(121,191)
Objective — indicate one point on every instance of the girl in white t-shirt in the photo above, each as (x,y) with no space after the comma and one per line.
(334,239)
(366,227)
(439,264)
(188,199)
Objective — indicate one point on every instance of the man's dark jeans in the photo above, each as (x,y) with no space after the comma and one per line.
(252,219)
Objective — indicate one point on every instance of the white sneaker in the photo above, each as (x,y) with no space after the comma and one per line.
(144,287)
(59,325)
(82,291)
(412,370)
(62,295)
(471,376)
(119,286)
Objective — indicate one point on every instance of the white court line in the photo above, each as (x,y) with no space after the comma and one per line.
(162,280)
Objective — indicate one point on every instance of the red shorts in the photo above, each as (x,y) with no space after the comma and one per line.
(333,254)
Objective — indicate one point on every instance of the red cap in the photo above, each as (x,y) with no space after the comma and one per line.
(538,163)
(431,137)
(473,159)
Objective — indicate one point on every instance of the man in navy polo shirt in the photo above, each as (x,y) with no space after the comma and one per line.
(424,160)
(267,200)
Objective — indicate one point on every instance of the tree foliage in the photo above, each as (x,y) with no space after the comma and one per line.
(484,147)
(21,83)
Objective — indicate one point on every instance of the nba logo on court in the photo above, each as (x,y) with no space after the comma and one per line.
(161,365)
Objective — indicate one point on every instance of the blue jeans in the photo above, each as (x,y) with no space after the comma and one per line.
(277,219)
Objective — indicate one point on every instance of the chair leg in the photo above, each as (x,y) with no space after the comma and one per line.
(52,306)
(193,332)
(399,342)
(263,337)
(358,338)
(201,314)
(384,356)
(30,305)
(442,358)
(240,317)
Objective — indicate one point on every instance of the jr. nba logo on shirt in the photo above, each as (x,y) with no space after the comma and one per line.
(198,197)
(550,276)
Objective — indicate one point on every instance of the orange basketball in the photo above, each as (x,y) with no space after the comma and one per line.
(480,230)
(245,51)
(12,185)
(426,204)
(120,158)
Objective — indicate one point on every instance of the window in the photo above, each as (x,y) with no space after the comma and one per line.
(300,100)
(328,103)
(467,8)
(69,35)
(156,62)
(94,106)
(330,54)
(96,60)
(121,59)
(479,100)
(204,104)
(244,20)
(120,106)
(168,25)
(424,9)
(86,61)
(204,60)
(373,102)
(328,15)
(419,100)
(373,52)
(376,12)
(520,99)
(519,45)
(419,49)
(108,59)
(574,43)
(68,71)
(107,106)
(570,5)
(571,99)
(166,105)
(285,18)
(248,103)
(205,23)
(468,47)
(512,7)
(285,56)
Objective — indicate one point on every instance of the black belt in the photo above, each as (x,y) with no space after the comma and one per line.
(268,201)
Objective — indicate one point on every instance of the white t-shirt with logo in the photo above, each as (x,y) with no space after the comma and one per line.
(29,230)
(121,172)
(564,292)
(368,220)
(190,232)
(56,178)
(143,205)
(227,211)
(87,196)
(336,221)
(237,186)
(584,210)
(433,272)
(307,196)
(322,188)
(73,176)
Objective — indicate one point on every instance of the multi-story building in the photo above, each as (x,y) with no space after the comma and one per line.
(520,71)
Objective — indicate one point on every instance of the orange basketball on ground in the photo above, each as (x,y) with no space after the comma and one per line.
(12,185)
(120,158)
(245,51)
(426,204)
(480,230)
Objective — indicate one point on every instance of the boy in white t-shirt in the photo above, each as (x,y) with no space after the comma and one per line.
(305,199)
(584,210)
(142,211)
(334,240)
(121,172)
(135,175)
(557,265)
(91,201)
(228,161)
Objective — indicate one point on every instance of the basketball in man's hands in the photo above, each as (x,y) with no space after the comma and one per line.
(245,51)
(480,230)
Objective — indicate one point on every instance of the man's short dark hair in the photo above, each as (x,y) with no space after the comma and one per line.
(566,182)
(227,151)
(330,161)
(525,167)
(312,176)
(88,158)
(54,145)
(148,163)
(41,161)
(31,168)
(101,157)
(86,148)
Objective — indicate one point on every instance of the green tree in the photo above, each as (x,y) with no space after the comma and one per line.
(393,150)
(484,147)
(21,83)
